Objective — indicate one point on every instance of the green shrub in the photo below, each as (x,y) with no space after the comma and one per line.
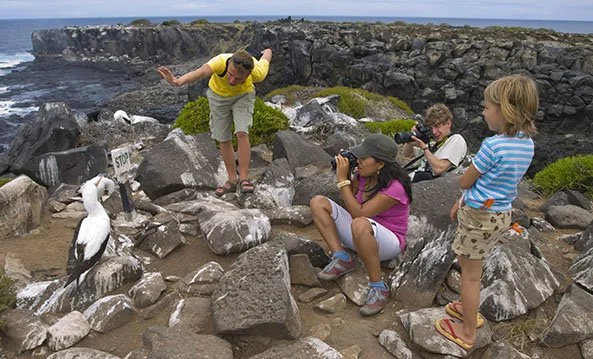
(570,173)
(401,105)
(390,128)
(195,116)
(199,22)
(141,22)
(356,102)
(171,23)
(7,294)
(3,181)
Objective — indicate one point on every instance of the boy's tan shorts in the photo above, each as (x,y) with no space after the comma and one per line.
(478,231)
(224,111)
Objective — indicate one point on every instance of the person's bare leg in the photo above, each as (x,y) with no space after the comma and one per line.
(244,149)
(228,157)
(367,247)
(321,212)
(471,276)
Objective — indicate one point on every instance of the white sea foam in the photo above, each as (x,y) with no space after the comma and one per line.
(7,108)
(8,61)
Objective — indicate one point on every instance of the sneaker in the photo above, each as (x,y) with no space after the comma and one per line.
(337,268)
(376,300)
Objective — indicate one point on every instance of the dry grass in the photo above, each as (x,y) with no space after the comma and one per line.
(516,332)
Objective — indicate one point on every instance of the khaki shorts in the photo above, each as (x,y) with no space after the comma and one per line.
(226,111)
(478,231)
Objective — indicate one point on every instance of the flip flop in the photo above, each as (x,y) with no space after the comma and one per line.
(246,186)
(452,310)
(227,187)
(450,334)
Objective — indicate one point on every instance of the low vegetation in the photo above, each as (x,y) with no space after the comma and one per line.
(141,22)
(7,294)
(171,23)
(199,22)
(390,128)
(356,103)
(195,116)
(4,180)
(570,173)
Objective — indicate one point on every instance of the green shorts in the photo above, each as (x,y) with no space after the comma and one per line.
(478,231)
(226,111)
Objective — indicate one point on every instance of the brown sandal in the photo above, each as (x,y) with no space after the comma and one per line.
(227,187)
(246,186)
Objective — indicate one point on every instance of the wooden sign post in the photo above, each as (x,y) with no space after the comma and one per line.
(122,164)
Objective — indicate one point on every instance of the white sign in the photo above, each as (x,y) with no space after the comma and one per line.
(122,161)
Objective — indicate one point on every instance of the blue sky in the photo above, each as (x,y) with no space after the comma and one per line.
(489,9)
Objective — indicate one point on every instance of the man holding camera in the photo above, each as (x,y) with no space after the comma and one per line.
(439,156)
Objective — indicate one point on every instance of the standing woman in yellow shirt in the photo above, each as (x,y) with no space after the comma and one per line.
(231,96)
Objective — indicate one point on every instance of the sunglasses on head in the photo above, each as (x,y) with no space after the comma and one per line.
(246,64)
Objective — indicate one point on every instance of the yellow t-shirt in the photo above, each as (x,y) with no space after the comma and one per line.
(221,86)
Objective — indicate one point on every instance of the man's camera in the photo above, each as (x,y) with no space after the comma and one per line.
(352,160)
(422,132)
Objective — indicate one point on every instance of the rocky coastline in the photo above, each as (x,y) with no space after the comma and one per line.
(416,63)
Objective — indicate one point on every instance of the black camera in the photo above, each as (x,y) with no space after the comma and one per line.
(422,132)
(352,160)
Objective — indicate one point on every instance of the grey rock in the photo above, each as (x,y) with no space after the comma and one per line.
(197,165)
(180,343)
(24,328)
(110,312)
(332,305)
(55,129)
(573,321)
(260,303)
(290,145)
(420,327)
(194,314)
(77,353)
(202,281)
(67,331)
(506,294)
(228,232)
(161,240)
(302,272)
(394,344)
(21,204)
(503,350)
(304,348)
(148,290)
(580,270)
(294,215)
(569,216)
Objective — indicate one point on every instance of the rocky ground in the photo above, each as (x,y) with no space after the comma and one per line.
(44,253)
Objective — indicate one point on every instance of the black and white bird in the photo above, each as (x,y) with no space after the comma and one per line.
(92,232)
(123,117)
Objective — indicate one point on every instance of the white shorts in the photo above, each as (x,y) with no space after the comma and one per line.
(387,240)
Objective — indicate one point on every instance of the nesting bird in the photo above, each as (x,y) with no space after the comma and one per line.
(122,116)
(92,232)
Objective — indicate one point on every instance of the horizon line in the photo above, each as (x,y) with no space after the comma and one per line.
(292,16)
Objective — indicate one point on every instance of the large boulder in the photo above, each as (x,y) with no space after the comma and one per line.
(54,130)
(196,164)
(21,206)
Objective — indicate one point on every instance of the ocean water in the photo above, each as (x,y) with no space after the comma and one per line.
(15,45)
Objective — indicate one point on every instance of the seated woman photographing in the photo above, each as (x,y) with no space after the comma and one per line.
(375,221)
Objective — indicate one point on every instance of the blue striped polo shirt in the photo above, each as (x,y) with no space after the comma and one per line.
(502,161)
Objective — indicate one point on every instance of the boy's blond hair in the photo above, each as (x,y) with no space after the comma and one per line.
(518,99)
(438,114)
